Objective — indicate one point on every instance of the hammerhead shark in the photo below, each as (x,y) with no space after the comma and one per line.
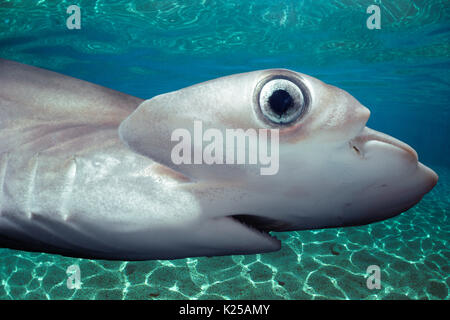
(88,172)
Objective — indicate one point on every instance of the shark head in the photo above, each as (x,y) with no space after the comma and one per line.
(329,169)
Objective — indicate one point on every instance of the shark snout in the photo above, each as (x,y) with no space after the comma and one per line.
(432,178)
(395,165)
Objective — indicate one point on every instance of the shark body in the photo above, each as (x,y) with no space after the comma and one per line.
(86,171)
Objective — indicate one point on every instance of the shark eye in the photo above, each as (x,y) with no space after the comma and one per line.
(282,101)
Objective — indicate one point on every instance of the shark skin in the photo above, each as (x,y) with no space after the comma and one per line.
(86,171)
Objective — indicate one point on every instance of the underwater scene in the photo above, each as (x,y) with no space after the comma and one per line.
(393,58)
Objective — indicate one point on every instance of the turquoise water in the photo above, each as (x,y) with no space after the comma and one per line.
(144,48)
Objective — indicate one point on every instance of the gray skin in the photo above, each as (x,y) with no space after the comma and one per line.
(86,171)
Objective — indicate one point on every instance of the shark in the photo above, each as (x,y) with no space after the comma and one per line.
(86,171)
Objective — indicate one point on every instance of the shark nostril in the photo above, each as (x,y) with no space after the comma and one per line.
(353,145)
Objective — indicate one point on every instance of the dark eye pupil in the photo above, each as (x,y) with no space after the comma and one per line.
(280,101)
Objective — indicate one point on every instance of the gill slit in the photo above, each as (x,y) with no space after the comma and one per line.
(3,167)
(31,185)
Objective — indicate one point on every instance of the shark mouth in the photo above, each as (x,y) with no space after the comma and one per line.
(262,224)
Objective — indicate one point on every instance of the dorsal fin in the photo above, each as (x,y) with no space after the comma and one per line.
(38,94)
(35,102)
